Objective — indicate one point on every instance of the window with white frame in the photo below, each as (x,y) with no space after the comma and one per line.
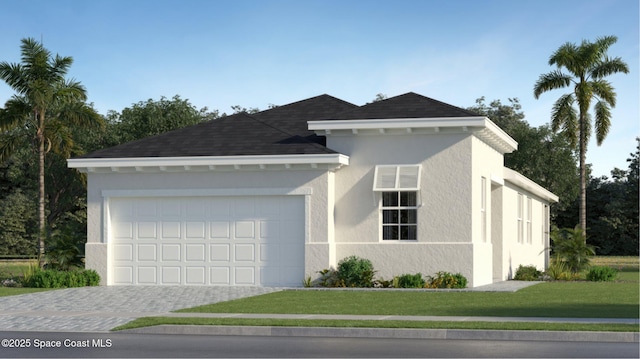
(529,228)
(399,216)
(519,218)
(483,208)
(399,186)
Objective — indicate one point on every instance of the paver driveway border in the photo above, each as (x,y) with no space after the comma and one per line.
(98,309)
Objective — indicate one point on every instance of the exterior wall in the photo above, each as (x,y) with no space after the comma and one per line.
(531,250)
(318,203)
(487,163)
(446,230)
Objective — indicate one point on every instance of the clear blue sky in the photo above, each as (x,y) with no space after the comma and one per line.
(255,53)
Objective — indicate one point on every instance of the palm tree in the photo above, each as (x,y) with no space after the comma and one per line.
(44,106)
(587,65)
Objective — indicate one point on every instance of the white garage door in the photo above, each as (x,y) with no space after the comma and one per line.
(207,241)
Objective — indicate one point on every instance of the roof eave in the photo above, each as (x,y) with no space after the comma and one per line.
(523,182)
(481,126)
(331,162)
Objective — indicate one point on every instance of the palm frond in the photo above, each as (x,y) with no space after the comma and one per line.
(564,56)
(608,67)
(604,91)
(603,121)
(9,142)
(60,138)
(16,112)
(565,117)
(551,81)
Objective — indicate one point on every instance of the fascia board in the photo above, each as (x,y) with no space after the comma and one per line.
(338,159)
(501,134)
(364,124)
(523,182)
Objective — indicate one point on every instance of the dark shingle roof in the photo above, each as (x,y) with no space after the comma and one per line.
(278,131)
(409,105)
(281,130)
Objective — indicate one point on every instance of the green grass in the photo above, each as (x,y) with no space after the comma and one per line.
(6,291)
(551,299)
(150,321)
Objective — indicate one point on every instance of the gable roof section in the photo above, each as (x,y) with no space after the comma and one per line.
(409,105)
(278,131)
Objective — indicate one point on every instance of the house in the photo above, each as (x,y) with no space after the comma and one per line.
(411,183)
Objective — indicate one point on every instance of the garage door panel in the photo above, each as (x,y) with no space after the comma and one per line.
(123,252)
(220,275)
(123,275)
(196,230)
(220,252)
(147,275)
(147,230)
(171,229)
(195,252)
(245,252)
(195,275)
(245,275)
(171,252)
(171,275)
(220,229)
(147,252)
(207,241)
(244,229)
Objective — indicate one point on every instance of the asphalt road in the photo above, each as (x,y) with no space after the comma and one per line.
(117,345)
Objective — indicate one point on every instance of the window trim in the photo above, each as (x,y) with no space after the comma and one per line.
(398,208)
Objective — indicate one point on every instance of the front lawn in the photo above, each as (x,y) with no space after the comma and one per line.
(6,291)
(551,299)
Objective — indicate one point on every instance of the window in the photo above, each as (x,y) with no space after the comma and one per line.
(519,218)
(529,229)
(483,208)
(399,215)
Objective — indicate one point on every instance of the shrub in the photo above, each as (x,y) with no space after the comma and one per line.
(50,278)
(529,273)
(356,272)
(601,274)
(447,280)
(410,281)
(570,246)
(328,278)
(64,252)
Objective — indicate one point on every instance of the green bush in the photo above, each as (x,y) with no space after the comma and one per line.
(447,280)
(410,281)
(356,272)
(602,274)
(570,246)
(529,273)
(328,278)
(50,278)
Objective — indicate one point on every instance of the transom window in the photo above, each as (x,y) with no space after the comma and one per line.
(400,215)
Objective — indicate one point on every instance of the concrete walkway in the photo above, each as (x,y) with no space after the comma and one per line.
(99,309)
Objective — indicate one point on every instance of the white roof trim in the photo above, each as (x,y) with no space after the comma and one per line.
(523,182)
(481,126)
(207,163)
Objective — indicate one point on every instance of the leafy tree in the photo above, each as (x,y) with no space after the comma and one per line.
(612,216)
(587,65)
(45,106)
(151,118)
(570,247)
(544,157)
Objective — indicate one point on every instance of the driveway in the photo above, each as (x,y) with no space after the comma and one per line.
(102,308)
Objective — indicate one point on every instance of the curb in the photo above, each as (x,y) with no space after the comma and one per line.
(446,334)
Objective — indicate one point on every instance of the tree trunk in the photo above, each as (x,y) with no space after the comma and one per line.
(583,173)
(41,196)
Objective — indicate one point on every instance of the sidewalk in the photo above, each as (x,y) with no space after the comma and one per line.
(460,334)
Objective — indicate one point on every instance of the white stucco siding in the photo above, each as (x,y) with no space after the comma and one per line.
(530,248)
(445,213)
(312,185)
(392,259)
